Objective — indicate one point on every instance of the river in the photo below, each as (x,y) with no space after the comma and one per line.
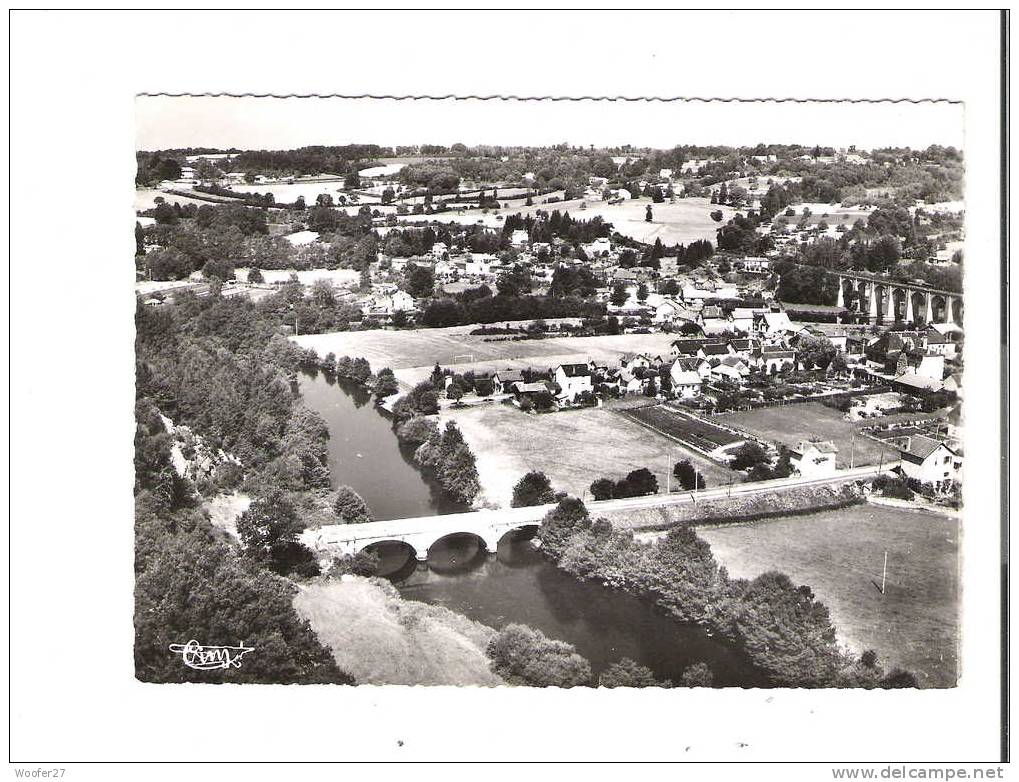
(517,584)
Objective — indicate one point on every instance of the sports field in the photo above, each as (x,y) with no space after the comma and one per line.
(455,346)
(573,448)
(840,554)
(788,424)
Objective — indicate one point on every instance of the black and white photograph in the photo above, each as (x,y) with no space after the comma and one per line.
(548,416)
(673,416)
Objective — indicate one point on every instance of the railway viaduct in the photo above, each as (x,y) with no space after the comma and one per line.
(887,301)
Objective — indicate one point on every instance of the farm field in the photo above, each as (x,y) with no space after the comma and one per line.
(343,278)
(685,221)
(426,347)
(573,448)
(840,554)
(788,424)
(684,427)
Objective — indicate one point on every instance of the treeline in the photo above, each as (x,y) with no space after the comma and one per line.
(306,161)
(215,365)
(782,628)
(486,308)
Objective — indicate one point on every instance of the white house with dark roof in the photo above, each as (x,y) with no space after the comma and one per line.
(573,379)
(686,378)
(814,457)
(927,460)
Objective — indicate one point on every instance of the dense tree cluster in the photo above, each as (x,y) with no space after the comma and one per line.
(524,656)
(451,460)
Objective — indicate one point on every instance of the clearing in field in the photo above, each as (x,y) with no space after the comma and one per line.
(573,448)
(840,554)
(789,424)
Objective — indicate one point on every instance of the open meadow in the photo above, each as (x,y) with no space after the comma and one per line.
(840,554)
(573,448)
(788,424)
(456,347)
(685,221)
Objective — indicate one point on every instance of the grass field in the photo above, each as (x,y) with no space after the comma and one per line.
(425,347)
(915,624)
(685,221)
(382,639)
(684,427)
(573,448)
(788,424)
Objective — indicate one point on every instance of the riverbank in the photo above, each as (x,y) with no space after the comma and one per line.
(738,509)
(381,638)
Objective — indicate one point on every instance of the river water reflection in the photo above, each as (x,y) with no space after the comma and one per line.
(517,584)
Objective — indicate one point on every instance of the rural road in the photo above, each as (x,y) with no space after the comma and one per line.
(505,518)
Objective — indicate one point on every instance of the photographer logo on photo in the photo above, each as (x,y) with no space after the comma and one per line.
(209,658)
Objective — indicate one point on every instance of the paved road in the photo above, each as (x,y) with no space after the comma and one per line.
(485,520)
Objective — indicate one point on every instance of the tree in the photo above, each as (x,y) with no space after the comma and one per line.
(386,384)
(648,214)
(815,351)
(687,475)
(255,276)
(351,507)
(627,673)
(420,282)
(524,656)
(534,488)
(560,523)
(641,482)
(455,390)
(619,295)
(747,456)
(603,489)
(642,292)
(697,675)
(717,215)
(269,530)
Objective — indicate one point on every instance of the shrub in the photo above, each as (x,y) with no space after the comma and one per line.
(524,656)
(351,507)
(364,563)
(698,675)
(534,488)
(627,673)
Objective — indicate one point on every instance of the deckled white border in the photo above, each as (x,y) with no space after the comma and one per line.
(73,121)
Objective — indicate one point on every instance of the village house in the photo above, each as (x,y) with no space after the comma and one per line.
(630,382)
(927,460)
(518,238)
(713,321)
(744,348)
(771,323)
(711,350)
(812,458)
(670,311)
(687,347)
(685,377)
(573,380)
(632,361)
(771,361)
(503,381)
(730,368)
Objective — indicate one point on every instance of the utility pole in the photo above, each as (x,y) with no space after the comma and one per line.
(852,450)
(884,572)
(668,473)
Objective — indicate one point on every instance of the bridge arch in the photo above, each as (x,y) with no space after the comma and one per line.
(955,307)
(898,304)
(456,550)
(849,295)
(881,294)
(395,556)
(919,302)
(939,309)
(864,291)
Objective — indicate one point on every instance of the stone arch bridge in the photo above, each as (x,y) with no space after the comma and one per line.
(421,534)
(887,301)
